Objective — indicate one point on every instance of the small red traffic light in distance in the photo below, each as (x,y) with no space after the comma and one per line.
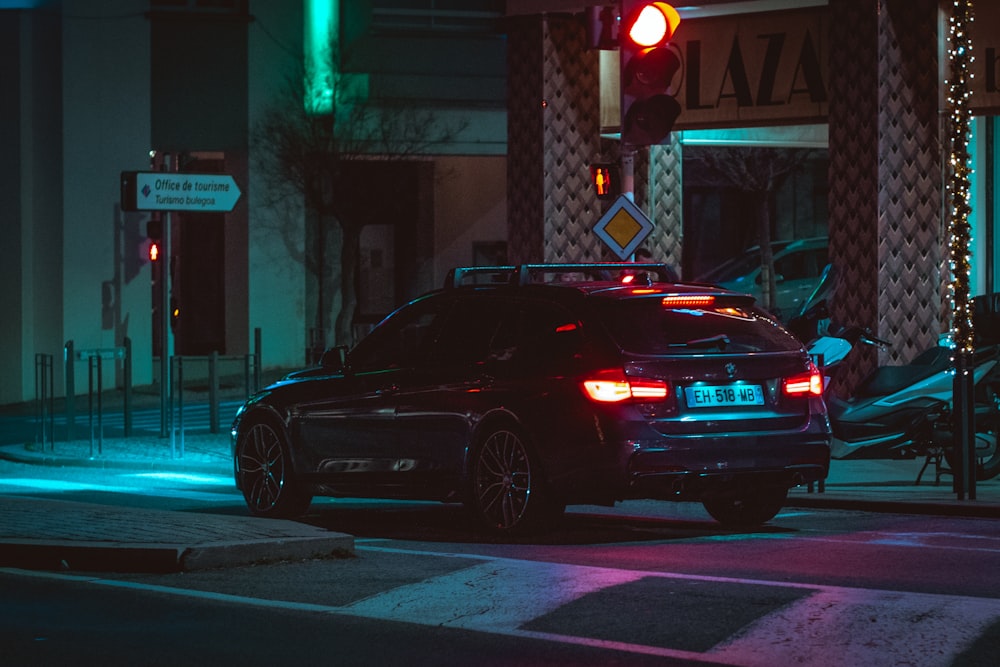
(154,232)
(605,180)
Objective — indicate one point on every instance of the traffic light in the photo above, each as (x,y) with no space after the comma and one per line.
(154,232)
(604,175)
(175,312)
(648,65)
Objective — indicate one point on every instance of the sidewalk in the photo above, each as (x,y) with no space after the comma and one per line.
(49,534)
(60,535)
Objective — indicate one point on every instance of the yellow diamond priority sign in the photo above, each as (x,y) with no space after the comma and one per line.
(623,227)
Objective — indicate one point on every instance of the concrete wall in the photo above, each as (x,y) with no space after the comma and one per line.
(89,87)
(470,207)
(106,129)
(276,279)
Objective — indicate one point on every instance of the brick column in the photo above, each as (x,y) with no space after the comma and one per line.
(553,134)
(885,175)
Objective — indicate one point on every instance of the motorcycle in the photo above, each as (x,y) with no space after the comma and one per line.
(905,411)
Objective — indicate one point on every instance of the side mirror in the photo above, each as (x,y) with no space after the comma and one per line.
(334,359)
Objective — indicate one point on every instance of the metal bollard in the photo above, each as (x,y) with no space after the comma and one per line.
(69,362)
(256,360)
(127,399)
(44,400)
(213,392)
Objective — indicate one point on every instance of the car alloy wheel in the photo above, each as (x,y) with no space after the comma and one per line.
(265,474)
(506,484)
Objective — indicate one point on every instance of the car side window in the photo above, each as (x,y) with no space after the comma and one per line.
(540,334)
(470,327)
(403,340)
(801,265)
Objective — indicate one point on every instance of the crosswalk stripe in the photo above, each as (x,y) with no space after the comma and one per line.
(841,627)
(491,596)
(832,626)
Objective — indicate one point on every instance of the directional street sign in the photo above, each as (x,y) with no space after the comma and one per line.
(172,191)
(623,227)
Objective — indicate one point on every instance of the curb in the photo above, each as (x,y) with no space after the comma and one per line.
(952,508)
(167,558)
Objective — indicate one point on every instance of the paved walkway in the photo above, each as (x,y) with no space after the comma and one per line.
(54,535)
(50,534)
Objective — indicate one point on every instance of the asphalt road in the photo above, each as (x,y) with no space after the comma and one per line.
(643,583)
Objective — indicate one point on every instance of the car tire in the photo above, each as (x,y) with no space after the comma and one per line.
(265,473)
(749,507)
(506,488)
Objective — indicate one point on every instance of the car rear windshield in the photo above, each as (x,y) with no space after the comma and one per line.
(647,326)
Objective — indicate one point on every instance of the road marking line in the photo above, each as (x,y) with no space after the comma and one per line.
(833,626)
(906,542)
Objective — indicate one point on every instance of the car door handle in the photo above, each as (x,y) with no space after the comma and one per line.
(387,391)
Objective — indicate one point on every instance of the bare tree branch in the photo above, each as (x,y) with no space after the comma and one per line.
(311,160)
(757,171)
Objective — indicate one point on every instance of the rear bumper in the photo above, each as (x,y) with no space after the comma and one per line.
(697,486)
(691,468)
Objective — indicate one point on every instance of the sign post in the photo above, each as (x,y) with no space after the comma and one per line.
(166,333)
(623,227)
(170,191)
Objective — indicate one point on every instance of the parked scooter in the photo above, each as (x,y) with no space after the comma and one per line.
(905,411)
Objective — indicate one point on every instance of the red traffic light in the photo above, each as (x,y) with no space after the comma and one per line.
(154,232)
(649,63)
(652,24)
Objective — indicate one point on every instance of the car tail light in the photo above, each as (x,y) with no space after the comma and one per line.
(807,384)
(687,300)
(614,386)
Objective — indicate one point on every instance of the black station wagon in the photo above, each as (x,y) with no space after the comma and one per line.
(519,390)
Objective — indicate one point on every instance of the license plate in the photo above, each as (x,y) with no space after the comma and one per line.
(724,395)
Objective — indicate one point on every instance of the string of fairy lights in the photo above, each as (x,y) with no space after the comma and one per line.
(959,184)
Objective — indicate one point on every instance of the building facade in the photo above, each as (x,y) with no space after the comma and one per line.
(90,88)
(94,88)
(862,80)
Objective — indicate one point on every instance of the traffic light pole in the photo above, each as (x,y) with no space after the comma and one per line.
(628,171)
(166,339)
(964,429)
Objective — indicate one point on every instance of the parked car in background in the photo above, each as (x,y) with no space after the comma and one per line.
(519,390)
(798,267)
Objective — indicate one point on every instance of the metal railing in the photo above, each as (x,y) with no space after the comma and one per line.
(45,433)
(95,358)
(211,376)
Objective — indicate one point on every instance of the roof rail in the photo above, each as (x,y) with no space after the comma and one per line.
(526,274)
(596,270)
(490,275)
